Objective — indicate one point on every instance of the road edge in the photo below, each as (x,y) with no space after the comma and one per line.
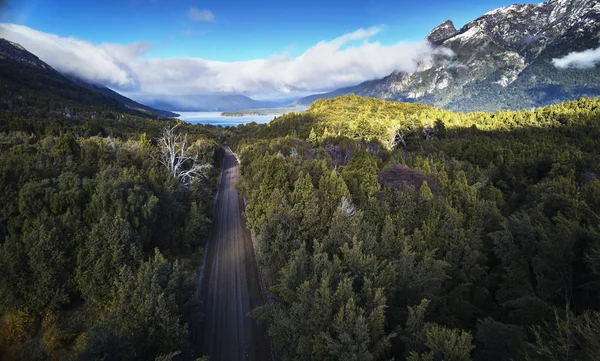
(261,279)
(209,236)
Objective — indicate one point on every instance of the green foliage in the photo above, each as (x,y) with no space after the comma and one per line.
(111,245)
(501,341)
(396,230)
(361,177)
(445,344)
(85,203)
(384,230)
(567,338)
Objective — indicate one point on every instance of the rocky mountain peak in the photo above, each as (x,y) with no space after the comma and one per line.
(503,60)
(442,32)
(527,29)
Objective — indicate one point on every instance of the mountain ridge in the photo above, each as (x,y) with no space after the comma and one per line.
(442,32)
(13,55)
(305,101)
(502,60)
(212,103)
(130,103)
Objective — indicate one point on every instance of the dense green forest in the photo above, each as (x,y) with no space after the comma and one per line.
(388,230)
(383,230)
(101,233)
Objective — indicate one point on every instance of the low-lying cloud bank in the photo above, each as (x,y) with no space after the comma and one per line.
(346,60)
(583,60)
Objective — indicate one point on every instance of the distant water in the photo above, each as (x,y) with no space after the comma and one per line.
(215,118)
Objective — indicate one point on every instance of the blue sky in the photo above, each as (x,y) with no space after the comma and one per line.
(239,30)
(179,49)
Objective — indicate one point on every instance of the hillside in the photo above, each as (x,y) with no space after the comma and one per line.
(454,236)
(124,100)
(99,241)
(357,89)
(22,71)
(211,103)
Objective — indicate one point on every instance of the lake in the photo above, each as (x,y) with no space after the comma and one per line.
(215,118)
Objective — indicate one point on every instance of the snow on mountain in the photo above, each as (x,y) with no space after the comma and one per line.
(503,59)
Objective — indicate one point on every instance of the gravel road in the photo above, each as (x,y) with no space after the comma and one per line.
(231,284)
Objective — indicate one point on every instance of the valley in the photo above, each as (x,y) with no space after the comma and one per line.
(434,199)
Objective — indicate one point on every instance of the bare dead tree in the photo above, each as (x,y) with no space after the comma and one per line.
(397,138)
(177,157)
(294,153)
(347,207)
(404,132)
(429,132)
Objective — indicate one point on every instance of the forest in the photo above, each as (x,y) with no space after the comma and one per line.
(104,217)
(399,231)
(383,230)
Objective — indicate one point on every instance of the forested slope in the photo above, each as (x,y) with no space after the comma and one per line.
(397,230)
(101,236)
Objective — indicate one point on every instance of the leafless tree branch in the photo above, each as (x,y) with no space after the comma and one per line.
(177,157)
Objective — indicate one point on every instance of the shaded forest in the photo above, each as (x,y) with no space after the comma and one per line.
(100,238)
(388,230)
(383,230)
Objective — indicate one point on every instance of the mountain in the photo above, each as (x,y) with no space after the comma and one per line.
(306,101)
(123,99)
(28,83)
(501,60)
(21,71)
(211,103)
(442,32)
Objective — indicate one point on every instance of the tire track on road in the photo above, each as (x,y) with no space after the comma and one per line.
(231,287)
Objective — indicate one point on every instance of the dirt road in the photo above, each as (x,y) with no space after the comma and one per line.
(231,285)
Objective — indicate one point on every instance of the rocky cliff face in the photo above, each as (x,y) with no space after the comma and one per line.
(503,60)
(442,32)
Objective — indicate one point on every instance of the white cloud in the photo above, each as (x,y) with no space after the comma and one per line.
(104,63)
(347,60)
(582,60)
(195,14)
